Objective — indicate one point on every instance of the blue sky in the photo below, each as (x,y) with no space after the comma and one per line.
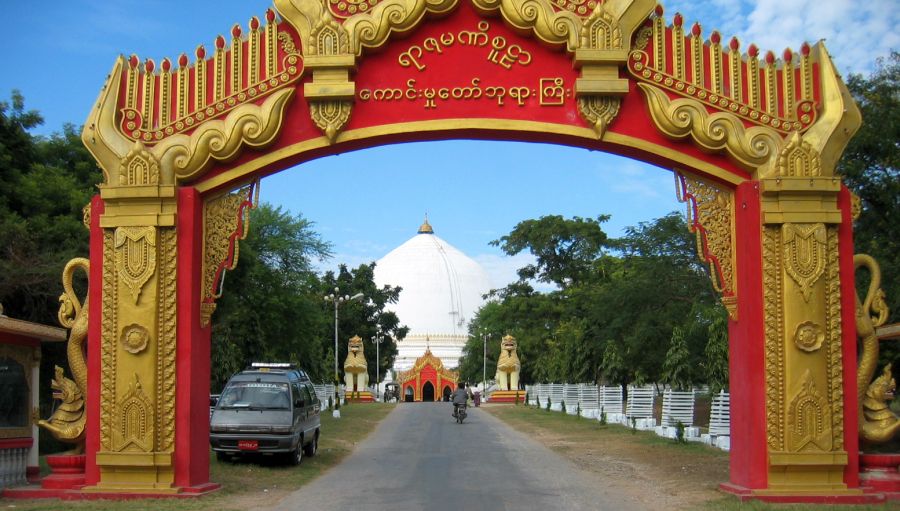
(59,53)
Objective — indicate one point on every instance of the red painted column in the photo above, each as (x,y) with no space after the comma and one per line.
(848,332)
(95,294)
(746,355)
(193,352)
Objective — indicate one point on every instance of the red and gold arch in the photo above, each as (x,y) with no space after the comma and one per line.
(427,380)
(752,137)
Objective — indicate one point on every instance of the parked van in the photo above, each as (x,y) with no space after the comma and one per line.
(268,409)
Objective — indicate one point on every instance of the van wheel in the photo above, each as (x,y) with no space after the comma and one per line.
(311,448)
(296,456)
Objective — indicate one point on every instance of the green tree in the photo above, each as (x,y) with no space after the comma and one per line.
(566,250)
(676,367)
(270,308)
(870,167)
(46,183)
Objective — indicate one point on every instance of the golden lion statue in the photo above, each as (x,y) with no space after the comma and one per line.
(508,365)
(356,371)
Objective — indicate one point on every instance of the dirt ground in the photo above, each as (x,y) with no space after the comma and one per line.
(655,471)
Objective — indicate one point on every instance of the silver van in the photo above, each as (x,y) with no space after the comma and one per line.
(267,409)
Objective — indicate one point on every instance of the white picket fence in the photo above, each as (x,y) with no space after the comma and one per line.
(639,407)
(677,406)
(719,422)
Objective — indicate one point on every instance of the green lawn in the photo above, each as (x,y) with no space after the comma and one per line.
(248,485)
(706,466)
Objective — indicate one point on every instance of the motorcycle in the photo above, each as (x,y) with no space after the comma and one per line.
(460,413)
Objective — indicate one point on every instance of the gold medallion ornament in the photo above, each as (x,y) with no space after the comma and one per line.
(809,336)
(135,338)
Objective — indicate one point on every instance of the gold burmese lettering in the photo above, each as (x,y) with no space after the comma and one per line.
(550,91)
(501,52)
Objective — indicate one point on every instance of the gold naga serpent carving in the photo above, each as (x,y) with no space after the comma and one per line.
(877,423)
(68,421)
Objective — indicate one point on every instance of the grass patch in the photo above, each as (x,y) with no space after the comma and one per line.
(249,484)
(693,464)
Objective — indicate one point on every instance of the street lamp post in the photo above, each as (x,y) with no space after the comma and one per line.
(338,300)
(377,339)
(484,338)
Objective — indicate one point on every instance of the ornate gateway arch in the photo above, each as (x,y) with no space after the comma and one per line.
(753,140)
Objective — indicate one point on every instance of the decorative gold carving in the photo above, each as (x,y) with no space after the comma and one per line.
(710,212)
(166,346)
(804,254)
(135,419)
(135,257)
(250,124)
(809,336)
(599,111)
(721,131)
(330,116)
(135,338)
(328,37)
(798,159)
(143,124)
(877,424)
(705,61)
(85,217)
(226,221)
(548,24)
(855,206)
(108,331)
(833,334)
(138,167)
(808,416)
(774,346)
(68,421)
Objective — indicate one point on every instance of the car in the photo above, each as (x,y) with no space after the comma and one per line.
(267,409)
(213,398)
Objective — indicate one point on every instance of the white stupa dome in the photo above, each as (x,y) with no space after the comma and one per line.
(442,291)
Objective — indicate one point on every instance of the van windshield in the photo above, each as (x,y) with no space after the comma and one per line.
(256,395)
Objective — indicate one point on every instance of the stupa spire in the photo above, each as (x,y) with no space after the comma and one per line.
(425,228)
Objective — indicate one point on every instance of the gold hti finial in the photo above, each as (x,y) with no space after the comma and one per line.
(425,228)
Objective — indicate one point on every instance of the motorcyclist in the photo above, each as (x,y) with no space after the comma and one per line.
(459,397)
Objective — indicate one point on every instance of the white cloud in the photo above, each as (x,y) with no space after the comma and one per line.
(855,33)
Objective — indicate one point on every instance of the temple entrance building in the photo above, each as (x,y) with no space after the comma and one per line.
(427,379)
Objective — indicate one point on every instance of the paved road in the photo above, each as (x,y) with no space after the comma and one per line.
(420,459)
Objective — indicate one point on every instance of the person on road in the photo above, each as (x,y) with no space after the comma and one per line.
(459,397)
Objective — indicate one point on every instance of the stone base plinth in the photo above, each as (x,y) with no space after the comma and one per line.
(359,397)
(507,396)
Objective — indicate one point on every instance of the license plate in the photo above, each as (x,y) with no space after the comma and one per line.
(248,445)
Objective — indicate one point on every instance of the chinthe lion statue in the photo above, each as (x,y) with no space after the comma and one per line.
(356,371)
(508,365)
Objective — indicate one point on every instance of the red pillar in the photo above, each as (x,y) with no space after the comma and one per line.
(95,293)
(193,352)
(746,356)
(848,332)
